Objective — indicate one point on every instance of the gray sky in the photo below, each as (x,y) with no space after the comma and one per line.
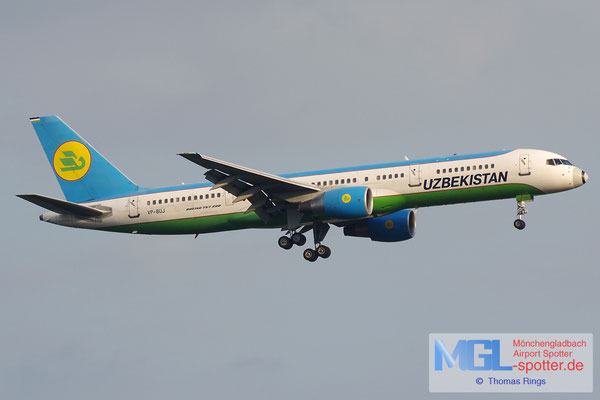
(285,86)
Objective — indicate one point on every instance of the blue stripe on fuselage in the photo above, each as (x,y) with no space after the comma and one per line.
(397,164)
(143,191)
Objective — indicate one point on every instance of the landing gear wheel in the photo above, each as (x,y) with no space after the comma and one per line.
(298,239)
(323,251)
(310,255)
(519,224)
(285,242)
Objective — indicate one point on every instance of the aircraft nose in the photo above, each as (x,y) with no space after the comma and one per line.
(579,177)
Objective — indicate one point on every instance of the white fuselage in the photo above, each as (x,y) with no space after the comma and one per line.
(525,167)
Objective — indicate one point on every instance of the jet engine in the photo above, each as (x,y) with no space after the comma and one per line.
(394,227)
(344,203)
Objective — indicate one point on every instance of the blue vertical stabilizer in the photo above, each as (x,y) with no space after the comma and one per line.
(82,172)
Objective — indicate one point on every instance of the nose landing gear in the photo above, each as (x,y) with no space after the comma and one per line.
(521,211)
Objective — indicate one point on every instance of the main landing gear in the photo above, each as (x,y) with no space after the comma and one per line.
(521,211)
(292,238)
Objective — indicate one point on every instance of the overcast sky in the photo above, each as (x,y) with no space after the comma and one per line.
(283,86)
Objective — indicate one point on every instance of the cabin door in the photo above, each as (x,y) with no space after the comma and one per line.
(524,165)
(414,175)
(133,207)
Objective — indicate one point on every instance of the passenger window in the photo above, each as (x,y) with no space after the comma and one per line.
(218,194)
(166,201)
(444,170)
(390,176)
(486,166)
(468,168)
(396,176)
(153,202)
(366,178)
(456,169)
(481,167)
(171,199)
(492,165)
(177,199)
(462,169)
(384,177)
(324,183)
(195,197)
(148,202)
(354,180)
(342,181)
(330,183)
(201,197)
(402,175)
(438,171)
(337,182)
(212,195)
(378,177)
(160,201)
(318,183)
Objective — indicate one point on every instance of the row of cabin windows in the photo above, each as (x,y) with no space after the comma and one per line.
(189,198)
(335,182)
(353,180)
(389,176)
(467,168)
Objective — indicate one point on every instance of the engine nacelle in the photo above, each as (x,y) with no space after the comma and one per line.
(393,227)
(344,203)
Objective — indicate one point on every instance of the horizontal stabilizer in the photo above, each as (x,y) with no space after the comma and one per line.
(62,206)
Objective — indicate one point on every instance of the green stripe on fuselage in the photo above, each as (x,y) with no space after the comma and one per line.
(388,204)
(382,205)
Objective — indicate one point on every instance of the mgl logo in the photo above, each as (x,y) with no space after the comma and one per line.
(465,353)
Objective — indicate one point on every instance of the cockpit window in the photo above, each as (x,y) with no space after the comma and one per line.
(558,161)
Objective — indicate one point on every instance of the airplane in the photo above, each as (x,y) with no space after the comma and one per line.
(372,201)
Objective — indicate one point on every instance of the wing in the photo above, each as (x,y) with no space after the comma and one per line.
(266,192)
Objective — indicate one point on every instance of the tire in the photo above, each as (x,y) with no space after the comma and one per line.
(310,255)
(323,251)
(298,239)
(519,224)
(285,242)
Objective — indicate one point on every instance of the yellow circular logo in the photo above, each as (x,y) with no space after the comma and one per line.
(389,224)
(72,160)
(346,198)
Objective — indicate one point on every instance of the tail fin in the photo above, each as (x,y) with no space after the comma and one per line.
(82,172)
